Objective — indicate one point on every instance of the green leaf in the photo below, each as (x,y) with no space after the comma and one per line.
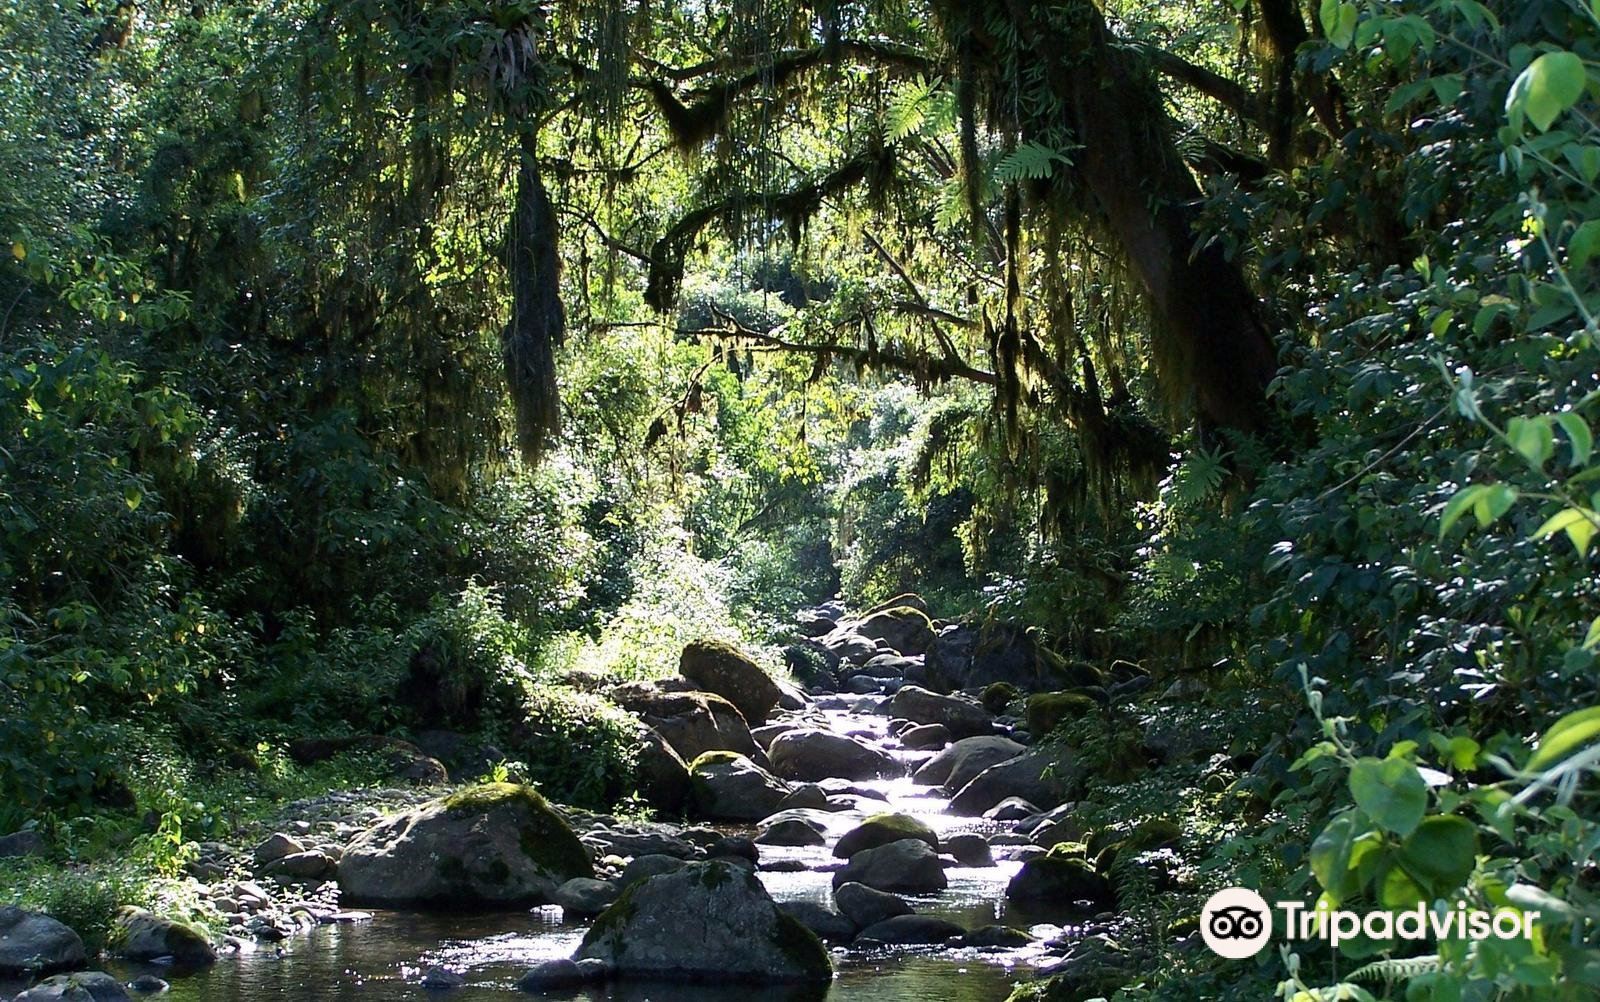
(1441,854)
(1339,22)
(1460,503)
(1030,161)
(1330,856)
(1584,245)
(1391,791)
(1493,503)
(1549,86)
(1592,640)
(1578,434)
(1577,523)
(1533,438)
(1566,736)
(132,496)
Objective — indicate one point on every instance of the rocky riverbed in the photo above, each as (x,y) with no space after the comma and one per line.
(884,835)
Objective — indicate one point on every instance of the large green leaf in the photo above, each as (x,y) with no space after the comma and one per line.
(1391,791)
(1566,736)
(1549,86)
(1441,853)
(1330,855)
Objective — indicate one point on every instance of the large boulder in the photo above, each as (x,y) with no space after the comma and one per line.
(662,774)
(722,668)
(811,754)
(1060,880)
(826,923)
(908,866)
(85,986)
(693,723)
(966,759)
(711,921)
(1048,710)
(32,943)
(791,832)
(141,935)
(881,829)
(1040,776)
(969,657)
(849,646)
(23,843)
(494,845)
(585,897)
(904,629)
(963,717)
(912,930)
(725,786)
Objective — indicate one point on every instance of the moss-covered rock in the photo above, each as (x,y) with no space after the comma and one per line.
(881,829)
(1048,710)
(998,695)
(1061,881)
(905,629)
(484,846)
(726,786)
(719,667)
(141,935)
(710,921)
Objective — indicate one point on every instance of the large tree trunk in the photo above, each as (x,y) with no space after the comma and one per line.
(1210,340)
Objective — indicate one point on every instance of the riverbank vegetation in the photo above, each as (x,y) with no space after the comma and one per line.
(393,369)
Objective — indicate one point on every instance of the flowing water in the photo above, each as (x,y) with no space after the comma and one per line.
(385,959)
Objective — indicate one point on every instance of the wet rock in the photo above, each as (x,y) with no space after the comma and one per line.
(1052,878)
(1040,775)
(908,866)
(553,975)
(827,924)
(881,829)
(969,850)
(497,844)
(148,984)
(585,897)
(1050,834)
(1011,809)
(33,943)
(805,795)
(726,786)
(925,736)
(710,921)
(644,867)
(693,723)
(966,759)
(141,935)
(722,668)
(996,937)
(844,787)
(862,685)
(734,847)
(642,843)
(865,906)
(85,986)
(888,666)
(791,832)
(812,754)
(23,843)
(961,716)
(764,735)
(911,930)
(438,978)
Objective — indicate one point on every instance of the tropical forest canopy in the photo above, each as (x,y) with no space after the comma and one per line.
(377,365)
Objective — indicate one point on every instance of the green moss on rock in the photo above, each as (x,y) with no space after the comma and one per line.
(1049,710)
(999,695)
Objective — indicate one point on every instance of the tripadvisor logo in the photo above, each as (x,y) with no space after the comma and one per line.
(1237,923)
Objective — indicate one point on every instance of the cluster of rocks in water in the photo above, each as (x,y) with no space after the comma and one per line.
(724,744)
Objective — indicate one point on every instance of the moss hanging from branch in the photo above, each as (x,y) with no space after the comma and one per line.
(538,319)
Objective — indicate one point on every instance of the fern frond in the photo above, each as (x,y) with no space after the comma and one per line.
(1031,161)
(1396,969)
(909,107)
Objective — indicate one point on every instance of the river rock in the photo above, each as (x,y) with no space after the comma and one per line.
(140,935)
(709,921)
(763,735)
(812,754)
(661,773)
(726,786)
(865,906)
(1042,776)
(881,829)
(1060,880)
(826,923)
(722,668)
(554,975)
(492,845)
(911,930)
(963,717)
(693,723)
(996,937)
(585,897)
(921,737)
(23,843)
(642,843)
(644,867)
(805,795)
(1011,809)
(904,629)
(970,755)
(790,832)
(148,984)
(309,865)
(33,943)
(85,986)
(969,850)
(908,866)
(276,846)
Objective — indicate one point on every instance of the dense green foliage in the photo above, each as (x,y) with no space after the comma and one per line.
(856,298)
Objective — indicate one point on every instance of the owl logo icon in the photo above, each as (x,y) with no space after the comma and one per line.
(1236,923)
